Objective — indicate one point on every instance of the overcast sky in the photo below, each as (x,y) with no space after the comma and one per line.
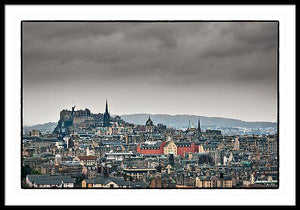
(220,69)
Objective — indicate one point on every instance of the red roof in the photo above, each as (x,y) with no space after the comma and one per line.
(87,157)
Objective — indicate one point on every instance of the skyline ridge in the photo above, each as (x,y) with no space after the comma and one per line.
(188,115)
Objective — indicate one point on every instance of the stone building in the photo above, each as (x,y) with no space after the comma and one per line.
(149,125)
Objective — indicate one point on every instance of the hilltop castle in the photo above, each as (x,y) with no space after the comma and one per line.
(70,120)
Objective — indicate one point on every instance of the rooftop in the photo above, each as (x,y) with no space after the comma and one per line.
(88,157)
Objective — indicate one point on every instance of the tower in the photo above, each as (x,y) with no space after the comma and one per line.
(199,129)
(149,125)
(106,117)
(73,109)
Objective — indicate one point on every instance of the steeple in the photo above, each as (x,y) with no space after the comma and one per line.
(199,128)
(106,107)
(106,117)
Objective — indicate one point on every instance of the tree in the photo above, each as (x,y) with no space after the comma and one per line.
(25,171)
(79,179)
(36,172)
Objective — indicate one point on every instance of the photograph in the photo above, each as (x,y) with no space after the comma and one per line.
(150,104)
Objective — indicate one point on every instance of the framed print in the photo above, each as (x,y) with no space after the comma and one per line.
(115,104)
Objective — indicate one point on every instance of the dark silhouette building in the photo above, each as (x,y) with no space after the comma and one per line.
(171,159)
(106,117)
(199,129)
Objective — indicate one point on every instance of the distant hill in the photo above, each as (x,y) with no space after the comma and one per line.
(42,127)
(182,121)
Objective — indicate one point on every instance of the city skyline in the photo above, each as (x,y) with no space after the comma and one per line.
(214,69)
(149,114)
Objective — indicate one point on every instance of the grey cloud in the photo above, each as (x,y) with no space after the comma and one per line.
(68,30)
(146,57)
(243,38)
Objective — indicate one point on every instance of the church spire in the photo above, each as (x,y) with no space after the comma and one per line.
(199,128)
(106,107)
(106,117)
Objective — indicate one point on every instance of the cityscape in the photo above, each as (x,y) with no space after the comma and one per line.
(137,105)
(88,150)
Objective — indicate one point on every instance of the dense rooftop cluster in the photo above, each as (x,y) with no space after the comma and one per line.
(116,154)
